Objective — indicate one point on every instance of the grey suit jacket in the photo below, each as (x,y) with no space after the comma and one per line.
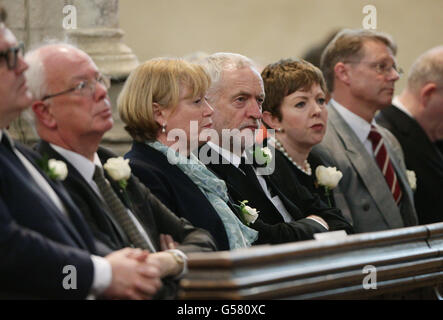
(363,194)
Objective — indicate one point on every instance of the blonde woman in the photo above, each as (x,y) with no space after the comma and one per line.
(164,108)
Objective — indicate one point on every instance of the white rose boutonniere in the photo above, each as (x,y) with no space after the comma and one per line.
(263,156)
(249,215)
(54,169)
(328,178)
(119,170)
(412,179)
(57,169)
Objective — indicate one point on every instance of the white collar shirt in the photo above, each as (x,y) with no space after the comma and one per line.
(358,125)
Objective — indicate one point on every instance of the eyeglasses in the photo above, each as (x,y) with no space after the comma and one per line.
(84,88)
(10,55)
(381,67)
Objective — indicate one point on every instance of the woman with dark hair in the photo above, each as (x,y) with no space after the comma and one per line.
(295,106)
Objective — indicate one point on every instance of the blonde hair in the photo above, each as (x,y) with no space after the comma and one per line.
(157,81)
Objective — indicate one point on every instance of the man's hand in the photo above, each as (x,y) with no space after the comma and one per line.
(319,220)
(134,276)
(169,266)
(167,242)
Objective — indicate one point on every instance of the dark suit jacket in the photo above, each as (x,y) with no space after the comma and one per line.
(176,190)
(153,215)
(308,181)
(421,156)
(37,240)
(298,201)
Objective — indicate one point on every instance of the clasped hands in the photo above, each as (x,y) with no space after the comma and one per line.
(137,273)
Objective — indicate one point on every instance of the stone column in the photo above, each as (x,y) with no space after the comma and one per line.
(97,33)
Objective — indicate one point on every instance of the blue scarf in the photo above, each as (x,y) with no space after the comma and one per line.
(215,190)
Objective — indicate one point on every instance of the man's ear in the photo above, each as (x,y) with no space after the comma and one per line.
(271,120)
(43,114)
(426,92)
(341,72)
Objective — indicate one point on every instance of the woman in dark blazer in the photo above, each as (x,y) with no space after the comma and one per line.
(164,108)
(295,106)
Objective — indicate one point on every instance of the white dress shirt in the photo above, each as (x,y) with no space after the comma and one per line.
(102,268)
(235,161)
(86,168)
(359,125)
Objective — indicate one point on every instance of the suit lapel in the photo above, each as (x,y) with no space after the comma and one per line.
(102,218)
(80,233)
(411,131)
(368,171)
(242,188)
(134,200)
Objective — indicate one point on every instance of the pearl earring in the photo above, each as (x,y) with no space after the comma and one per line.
(280,130)
(163,128)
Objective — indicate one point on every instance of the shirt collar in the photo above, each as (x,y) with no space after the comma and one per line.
(397,103)
(11,141)
(359,125)
(83,165)
(228,155)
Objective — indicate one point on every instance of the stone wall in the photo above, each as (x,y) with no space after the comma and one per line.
(93,26)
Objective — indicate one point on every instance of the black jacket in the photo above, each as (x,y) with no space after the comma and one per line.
(176,190)
(297,199)
(421,156)
(37,240)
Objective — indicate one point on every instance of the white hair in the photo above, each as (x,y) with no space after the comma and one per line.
(427,68)
(216,63)
(36,73)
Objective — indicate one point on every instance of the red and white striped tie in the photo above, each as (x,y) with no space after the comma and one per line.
(384,163)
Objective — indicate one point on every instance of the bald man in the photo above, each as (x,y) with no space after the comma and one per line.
(416,120)
(72,113)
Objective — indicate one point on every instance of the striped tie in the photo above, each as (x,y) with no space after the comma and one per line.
(383,161)
(120,213)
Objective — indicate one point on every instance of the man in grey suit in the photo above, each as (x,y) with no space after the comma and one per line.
(360,71)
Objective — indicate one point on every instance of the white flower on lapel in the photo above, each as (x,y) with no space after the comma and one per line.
(328,177)
(119,170)
(263,156)
(412,179)
(57,169)
(249,214)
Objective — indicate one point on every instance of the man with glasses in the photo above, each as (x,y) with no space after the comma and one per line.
(73,112)
(416,120)
(360,72)
(43,238)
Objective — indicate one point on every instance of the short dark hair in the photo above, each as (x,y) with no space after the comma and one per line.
(285,77)
(3,15)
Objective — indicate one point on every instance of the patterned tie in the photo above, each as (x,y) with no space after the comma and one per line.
(120,213)
(383,161)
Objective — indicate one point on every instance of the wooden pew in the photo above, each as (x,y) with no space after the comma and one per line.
(404,259)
